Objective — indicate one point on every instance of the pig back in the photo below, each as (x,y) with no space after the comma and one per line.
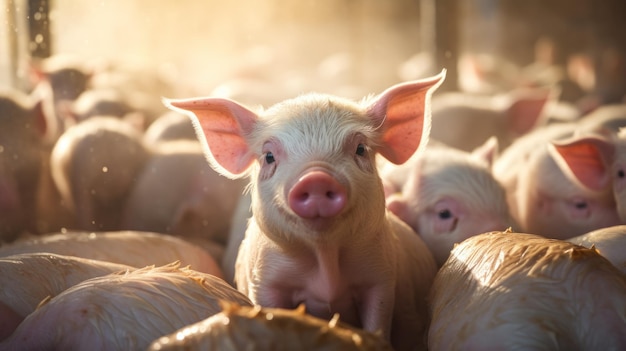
(504,290)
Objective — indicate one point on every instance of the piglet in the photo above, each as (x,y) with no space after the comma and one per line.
(447,195)
(30,278)
(272,329)
(194,201)
(516,291)
(320,234)
(124,311)
(595,158)
(542,197)
(133,248)
(465,120)
(22,129)
(94,166)
(610,242)
(168,127)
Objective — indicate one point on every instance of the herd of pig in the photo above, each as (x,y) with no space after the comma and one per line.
(414,219)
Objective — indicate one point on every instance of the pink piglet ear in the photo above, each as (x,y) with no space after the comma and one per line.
(586,160)
(403,111)
(222,126)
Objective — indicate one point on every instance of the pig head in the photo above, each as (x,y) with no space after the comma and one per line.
(447,195)
(597,163)
(320,234)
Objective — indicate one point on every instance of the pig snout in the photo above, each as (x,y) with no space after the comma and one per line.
(317,194)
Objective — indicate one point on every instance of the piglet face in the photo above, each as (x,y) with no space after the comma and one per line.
(558,207)
(315,162)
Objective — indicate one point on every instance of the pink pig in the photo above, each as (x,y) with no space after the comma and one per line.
(596,164)
(542,198)
(447,195)
(518,291)
(320,233)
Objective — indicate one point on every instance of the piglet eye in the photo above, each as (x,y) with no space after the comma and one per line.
(445,214)
(620,173)
(581,205)
(360,149)
(269,158)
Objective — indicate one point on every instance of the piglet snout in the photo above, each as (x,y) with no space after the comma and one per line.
(317,194)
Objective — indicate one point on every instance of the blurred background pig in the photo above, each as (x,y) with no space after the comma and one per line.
(194,202)
(466,120)
(447,195)
(94,166)
(22,130)
(543,196)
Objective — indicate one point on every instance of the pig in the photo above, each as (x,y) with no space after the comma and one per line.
(94,165)
(447,195)
(240,327)
(519,291)
(610,242)
(320,233)
(30,278)
(168,127)
(66,76)
(238,225)
(542,198)
(99,102)
(125,311)
(596,163)
(465,121)
(194,201)
(22,130)
(132,248)
(139,84)
(59,80)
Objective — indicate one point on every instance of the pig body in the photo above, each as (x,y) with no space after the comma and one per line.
(59,80)
(194,200)
(133,248)
(22,129)
(542,198)
(465,121)
(447,195)
(238,225)
(316,236)
(94,165)
(269,329)
(168,127)
(99,102)
(125,311)
(512,291)
(28,279)
(610,242)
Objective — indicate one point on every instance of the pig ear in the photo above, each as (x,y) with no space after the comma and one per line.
(222,126)
(527,107)
(488,151)
(403,113)
(585,159)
